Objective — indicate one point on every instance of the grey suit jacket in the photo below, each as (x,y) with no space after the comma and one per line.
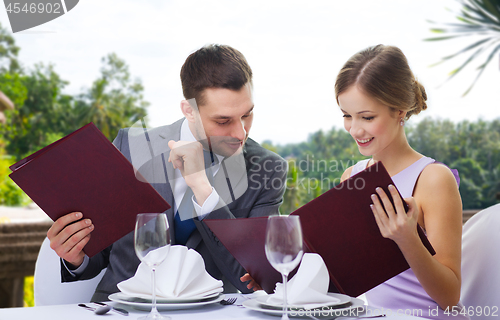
(266,179)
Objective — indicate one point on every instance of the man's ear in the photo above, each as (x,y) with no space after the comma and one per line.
(189,109)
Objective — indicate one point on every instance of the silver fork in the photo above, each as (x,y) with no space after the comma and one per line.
(228,302)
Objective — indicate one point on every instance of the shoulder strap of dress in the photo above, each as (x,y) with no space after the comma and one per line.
(406,180)
(360,166)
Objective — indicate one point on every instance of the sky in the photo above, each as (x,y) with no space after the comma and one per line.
(295,49)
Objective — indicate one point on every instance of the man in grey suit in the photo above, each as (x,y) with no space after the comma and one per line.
(218,110)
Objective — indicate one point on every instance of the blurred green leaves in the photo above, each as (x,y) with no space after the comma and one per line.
(114,101)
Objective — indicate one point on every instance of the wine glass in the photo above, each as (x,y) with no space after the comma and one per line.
(284,248)
(152,242)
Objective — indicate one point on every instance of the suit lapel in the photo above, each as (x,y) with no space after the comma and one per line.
(159,138)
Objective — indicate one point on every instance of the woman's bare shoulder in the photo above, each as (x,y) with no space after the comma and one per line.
(438,194)
(347,174)
(437,175)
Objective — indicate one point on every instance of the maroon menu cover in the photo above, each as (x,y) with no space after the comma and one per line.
(245,240)
(85,172)
(338,225)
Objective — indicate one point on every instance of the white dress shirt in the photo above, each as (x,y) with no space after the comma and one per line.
(180,186)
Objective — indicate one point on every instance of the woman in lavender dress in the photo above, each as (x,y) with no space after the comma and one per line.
(377,92)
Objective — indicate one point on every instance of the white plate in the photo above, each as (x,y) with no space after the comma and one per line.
(116,297)
(141,298)
(343,299)
(357,306)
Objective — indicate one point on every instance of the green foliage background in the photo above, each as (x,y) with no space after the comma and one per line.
(10,194)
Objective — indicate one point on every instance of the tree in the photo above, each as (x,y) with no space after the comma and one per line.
(42,114)
(292,198)
(114,101)
(433,138)
(10,193)
(477,17)
(8,52)
(472,182)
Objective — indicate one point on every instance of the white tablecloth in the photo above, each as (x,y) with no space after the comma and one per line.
(210,312)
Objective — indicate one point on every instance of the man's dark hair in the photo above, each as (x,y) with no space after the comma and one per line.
(214,66)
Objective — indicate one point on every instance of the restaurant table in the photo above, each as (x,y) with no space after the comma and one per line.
(210,312)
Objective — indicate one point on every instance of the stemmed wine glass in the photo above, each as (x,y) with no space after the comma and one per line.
(150,239)
(284,248)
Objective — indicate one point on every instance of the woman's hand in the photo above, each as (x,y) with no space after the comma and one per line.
(252,283)
(394,223)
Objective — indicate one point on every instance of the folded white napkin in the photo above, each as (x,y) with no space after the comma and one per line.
(308,287)
(181,275)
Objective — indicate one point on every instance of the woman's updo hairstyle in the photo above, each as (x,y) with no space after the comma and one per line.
(383,73)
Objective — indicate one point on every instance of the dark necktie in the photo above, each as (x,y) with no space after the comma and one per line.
(184,227)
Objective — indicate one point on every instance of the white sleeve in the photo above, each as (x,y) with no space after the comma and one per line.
(208,206)
(78,270)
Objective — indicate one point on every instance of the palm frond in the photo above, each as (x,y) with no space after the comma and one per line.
(444,38)
(488,9)
(471,57)
(476,17)
(482,68)
(475,20)
(472,46)
(492,7)
(479,10)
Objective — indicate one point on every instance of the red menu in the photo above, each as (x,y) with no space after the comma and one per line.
(85,172)
(338,225)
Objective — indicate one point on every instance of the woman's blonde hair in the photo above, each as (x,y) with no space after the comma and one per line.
(383,73)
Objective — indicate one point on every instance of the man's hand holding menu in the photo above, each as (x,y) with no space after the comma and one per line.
(68,236)
(89,189)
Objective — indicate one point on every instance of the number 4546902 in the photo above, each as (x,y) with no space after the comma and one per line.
(474,311)
(34,7)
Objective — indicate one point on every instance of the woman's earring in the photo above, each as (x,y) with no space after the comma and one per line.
(402,122)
